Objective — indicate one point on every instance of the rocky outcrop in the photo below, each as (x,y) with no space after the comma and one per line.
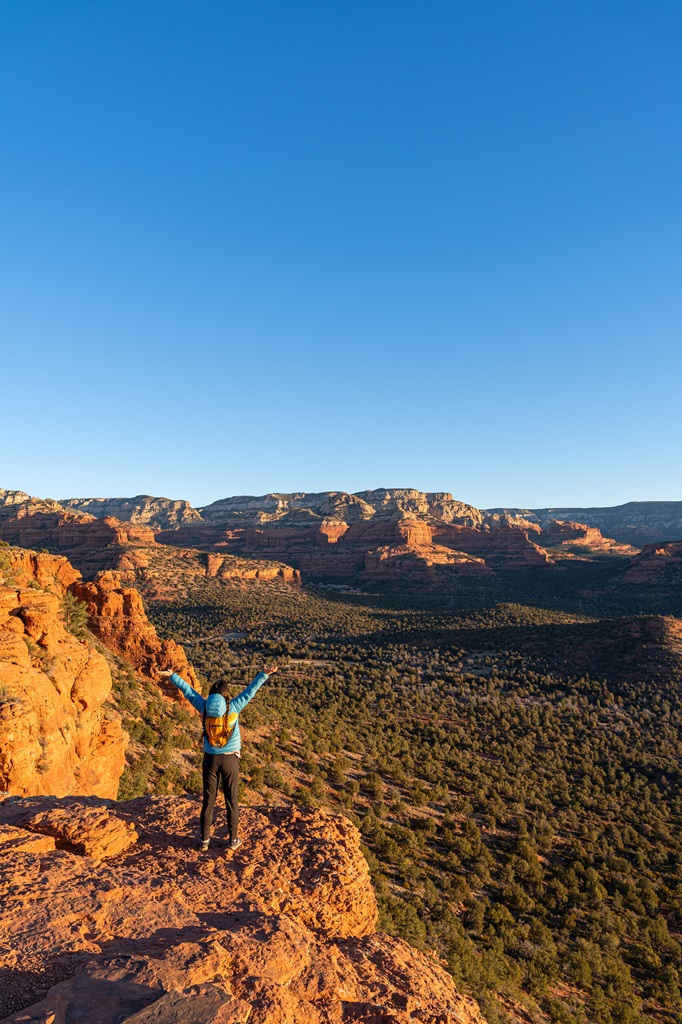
(656,565)
(142,510)
(500,543)
(568,538)
(420,565)
(225,567)
(93,831)
(388,534)
(280,932)
(117,617)
(55,735)
(245,511)
(9,498)
(17,503)
(76,533)
(636,522)
(26,568)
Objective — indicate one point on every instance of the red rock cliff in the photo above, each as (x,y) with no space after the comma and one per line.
(55,736)
(116,615)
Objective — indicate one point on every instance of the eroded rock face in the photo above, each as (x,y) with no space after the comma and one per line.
(280,932)
(55,735)
(579,538)
(116,615)
(636,522)
(657,565)
(10,502)
(142,510)
(73,532)
(94,830)
(50,572)
(247,510)
(382,534)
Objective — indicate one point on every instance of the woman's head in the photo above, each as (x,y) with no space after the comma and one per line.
(222,688)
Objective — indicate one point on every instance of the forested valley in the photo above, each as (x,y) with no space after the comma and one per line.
(514,769)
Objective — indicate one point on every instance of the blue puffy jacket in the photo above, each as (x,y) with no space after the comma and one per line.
(215,705)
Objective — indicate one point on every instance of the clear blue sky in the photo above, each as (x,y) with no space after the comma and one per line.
(303,245)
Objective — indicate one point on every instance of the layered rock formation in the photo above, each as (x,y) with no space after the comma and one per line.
(385,534)
(23,568)
(636,522)
(142,510)
(9,498)
(97,545)
(55,735)
(92,543)
(338,505)
(656,565)
(566,538)
(12,502)
(375,534)
(281,932)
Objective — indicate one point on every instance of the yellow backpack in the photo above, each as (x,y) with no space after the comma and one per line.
(218,731)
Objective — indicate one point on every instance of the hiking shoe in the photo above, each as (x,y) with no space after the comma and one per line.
(234,844)
(202,845)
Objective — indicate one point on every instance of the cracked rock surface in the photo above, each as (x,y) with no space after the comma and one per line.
(144,928)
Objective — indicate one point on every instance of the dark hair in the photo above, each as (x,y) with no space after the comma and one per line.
(223,688)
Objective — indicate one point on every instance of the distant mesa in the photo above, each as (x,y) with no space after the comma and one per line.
(657,565)
(142,510)
(636,522)
(384,534)
(387,534)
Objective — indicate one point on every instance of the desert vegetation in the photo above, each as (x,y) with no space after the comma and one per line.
(514,771)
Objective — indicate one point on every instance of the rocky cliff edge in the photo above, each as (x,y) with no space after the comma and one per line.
(108,913)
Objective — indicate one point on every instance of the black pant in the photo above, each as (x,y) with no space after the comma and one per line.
(225,767)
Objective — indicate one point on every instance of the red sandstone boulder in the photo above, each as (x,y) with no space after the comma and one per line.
(95,830)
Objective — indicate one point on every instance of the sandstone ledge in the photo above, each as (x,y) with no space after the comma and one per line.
(280,932)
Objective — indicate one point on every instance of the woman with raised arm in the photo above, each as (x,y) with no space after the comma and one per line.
(222,745)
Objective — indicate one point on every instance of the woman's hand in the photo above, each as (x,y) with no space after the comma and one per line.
(270,670)
(166,672)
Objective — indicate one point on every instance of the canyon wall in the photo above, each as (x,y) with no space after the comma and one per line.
(142,510)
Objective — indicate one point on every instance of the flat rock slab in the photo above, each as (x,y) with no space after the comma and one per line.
(207,1004)
(18,840)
